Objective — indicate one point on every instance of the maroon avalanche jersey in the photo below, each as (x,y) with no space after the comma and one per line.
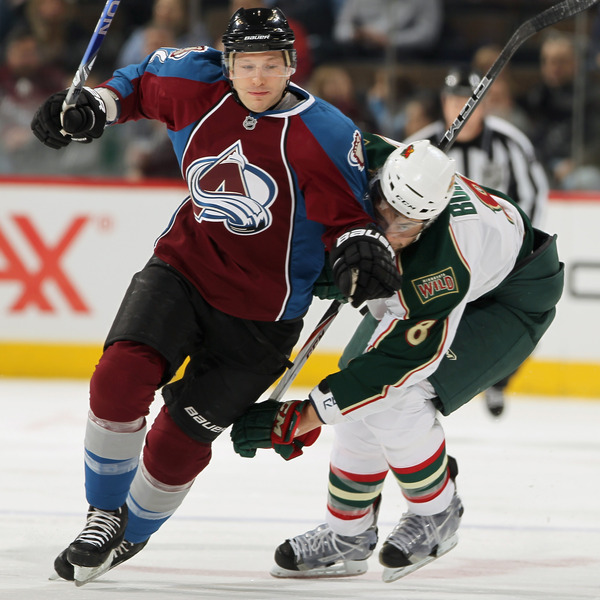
(269,192)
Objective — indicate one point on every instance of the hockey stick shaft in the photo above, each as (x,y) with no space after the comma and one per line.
(87,62)
(546,18)
(306,350)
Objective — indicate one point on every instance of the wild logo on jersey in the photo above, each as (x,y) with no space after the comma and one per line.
(435,285)
(228,189)
(486,198)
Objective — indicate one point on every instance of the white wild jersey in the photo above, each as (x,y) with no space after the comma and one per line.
(466,253)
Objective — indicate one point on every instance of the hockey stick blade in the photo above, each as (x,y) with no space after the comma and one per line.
(89,57)
(546,18)
(306,350)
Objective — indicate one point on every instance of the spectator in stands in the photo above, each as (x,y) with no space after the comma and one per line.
(557,113)
(173,15)
(496,154)
(24,82)
(386,101)
(148,151)
(500,99)
(367,28)
(26,79)
(334,84)
(10,11)
(133,14)
(59,32)
(317,18)
(420,110)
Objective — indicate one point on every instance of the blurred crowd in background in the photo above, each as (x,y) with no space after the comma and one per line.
(382,62)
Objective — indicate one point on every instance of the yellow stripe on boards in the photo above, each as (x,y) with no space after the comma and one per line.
(553,378)
(71,361)
(535,377)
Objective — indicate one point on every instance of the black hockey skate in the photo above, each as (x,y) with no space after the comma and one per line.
(126,550)
(322,553)
(494,400)
(103,531)
(93,550)
(418,540)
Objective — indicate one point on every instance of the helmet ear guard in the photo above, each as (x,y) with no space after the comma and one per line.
(258,30)
(418,180)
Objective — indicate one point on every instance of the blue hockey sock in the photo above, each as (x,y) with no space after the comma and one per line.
(150,504)
(111,461)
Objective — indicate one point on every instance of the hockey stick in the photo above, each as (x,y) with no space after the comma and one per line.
(306,350)
(89,57)
(548,17)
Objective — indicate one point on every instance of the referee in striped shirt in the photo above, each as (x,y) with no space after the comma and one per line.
(495,153)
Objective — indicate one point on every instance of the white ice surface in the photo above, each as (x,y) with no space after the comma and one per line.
(530,483)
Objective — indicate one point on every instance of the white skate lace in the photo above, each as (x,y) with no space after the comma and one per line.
(123,548)
(322,543)
(414,530)
(101,527)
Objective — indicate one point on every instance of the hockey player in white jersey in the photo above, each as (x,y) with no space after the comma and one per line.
(496,154)
(479,290)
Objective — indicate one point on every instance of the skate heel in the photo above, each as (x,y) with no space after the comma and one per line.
(391,574)
(84,575)
(418,540)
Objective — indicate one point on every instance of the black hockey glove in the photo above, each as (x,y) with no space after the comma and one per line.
(83,122)
(364,265)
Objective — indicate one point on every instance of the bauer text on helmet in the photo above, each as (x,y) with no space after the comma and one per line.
(258,30)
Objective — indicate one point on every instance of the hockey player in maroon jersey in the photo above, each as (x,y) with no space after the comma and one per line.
(276,177)
(479,290)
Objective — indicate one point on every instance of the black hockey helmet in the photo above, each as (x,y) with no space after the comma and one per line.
(258,30)
(461,82)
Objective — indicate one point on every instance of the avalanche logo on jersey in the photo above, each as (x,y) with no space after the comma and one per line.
(160,55)
(163,53)
(183,52)
(228,189)
(355,155)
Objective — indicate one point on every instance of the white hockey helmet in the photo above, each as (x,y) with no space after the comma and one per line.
(418,180)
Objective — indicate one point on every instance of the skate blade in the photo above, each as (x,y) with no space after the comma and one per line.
(84,575)
(349,568)
(391,574)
